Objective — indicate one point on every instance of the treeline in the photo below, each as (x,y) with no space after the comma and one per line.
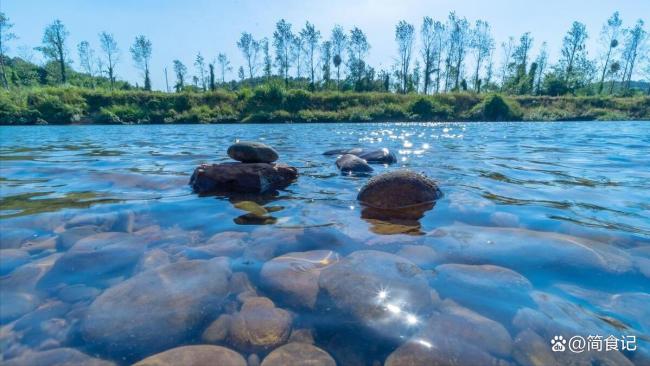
(437,57)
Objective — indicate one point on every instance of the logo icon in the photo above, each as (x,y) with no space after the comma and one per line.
(558,344)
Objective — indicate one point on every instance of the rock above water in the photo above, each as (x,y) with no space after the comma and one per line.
(349,163)
(195,356)
(295,275)
(298,354)
(398,189)
(57,357)
(377,289)
(379,156)
(157,309)
(242,177)
(252,152)
(259,325)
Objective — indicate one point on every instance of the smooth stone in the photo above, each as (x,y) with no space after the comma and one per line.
(242,178)
(75,293)
(373,286)
(95,259)
(14,238)
(218,330)
(57,357)
(252,152)
(26,277)
(70,237)
(253,360)
(455,336)
(43,243)
(259,325)
(353,151)
(240,283)
(16,304)
(529,349)
(527,250)
(298,354)
(200,355)
(157,309)
(295,275)
(153,259)
(302,336)
(421,255)
(251,207)
(349,163)
(379,156)
(11,259)
(504,219)
(398,189)
(470,285)
(104,221)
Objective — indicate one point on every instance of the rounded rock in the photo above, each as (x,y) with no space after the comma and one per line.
(259,325)
(399,189)
(349,163)
(199,355)
(252,152)
(298,354)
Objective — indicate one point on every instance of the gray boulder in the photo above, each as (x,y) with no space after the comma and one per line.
(252,152)
(377,156)
(242,178)
(349,163)
(399,189)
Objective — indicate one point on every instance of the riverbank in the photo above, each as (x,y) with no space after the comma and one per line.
(270,103)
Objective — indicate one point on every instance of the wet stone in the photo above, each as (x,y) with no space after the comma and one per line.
(421,255)
(157,309)
(200,355)
(349,163)
(377,156)
(57,357)
(11,259)
(259,325)
(242,178)
(218,330)
(295,275)
(13,239)
(298,354)
(15,305)
(71,236)
(153,259)
(75,293)
(252,152)
(398,189)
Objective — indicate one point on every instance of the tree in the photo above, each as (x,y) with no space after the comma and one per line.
(482,44)
(507,48)
(339,43)
(111,52)
(358,48)
(199,62)
(458,42)
(87,59)
(310,39)
(296,54)
(609,36)
(283,43)
(250,50)
(181,71)
(573,52)
(241,74)
(519,82)
(405,37)
(326,58)
(212,84)
(224,66)
(5,36)
(54,47)
(141,53)
(634,40)
(541,61)
(268,62)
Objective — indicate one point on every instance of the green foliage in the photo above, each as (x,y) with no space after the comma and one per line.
(427,108)
(495,108)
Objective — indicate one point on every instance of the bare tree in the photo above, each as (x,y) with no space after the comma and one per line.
(507,48)
(199,62)
(181,71)
(54,47)
(224,66)
(326,59)
(250,49)
(358,48)
(296,53)
(573,49)
(634,41)
(405,37)
(111,52)
(609,36)
(268,62)
(427,34)
(6,35)
(310,38)
(482,44)
(542,63)
(458,43)
(283,43)
(141,53)
(339,43)
(87,59)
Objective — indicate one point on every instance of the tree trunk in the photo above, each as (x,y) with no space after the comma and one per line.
(602,78)
(3,73)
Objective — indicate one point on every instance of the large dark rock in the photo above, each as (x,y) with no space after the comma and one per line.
(198,355)
(399,189)
(242,178)
(252,152)
(349,163)
(157,309)
(378,156)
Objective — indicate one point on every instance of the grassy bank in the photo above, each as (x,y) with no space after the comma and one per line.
(68,105)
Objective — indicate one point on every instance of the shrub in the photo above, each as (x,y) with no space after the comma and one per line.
(128,113)
(427,108)
(495,108)
(52,109)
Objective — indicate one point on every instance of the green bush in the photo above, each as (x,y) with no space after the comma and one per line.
(495,108)
(426,108)
(123,114)
(52,109)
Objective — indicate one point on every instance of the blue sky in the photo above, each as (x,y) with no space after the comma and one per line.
(180,29)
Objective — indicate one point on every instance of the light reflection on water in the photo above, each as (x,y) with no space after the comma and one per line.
(565,205)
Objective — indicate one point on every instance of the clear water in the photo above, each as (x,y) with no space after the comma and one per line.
(564,205)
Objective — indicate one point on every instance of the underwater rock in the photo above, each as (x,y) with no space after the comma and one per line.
(302,336)
(529,349)
(400,194)
(421,255)
(199,355)
(13,239)
(152,259)
(470,285)
(16,304)
(218,330)
(349,163)
(252,152)
(71,236)
(11,259)
(298,354)
(259,325)
(241,177)
(295,275)
(454,336)
(57,357)
(74,293)
(378,290)
(157,309)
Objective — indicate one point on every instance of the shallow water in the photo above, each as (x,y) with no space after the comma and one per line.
(560,212)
